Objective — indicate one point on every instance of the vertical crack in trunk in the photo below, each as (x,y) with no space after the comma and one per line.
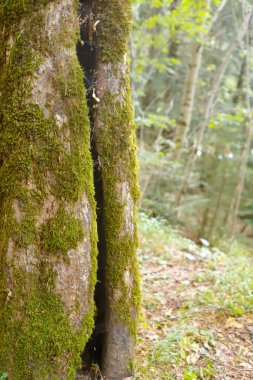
(87,55)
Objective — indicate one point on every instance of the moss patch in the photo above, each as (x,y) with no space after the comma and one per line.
(43,336)
(75,170)
(116,146)
(113,30)
(62,233)
(14,10)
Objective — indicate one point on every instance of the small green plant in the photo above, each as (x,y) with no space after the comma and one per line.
(231,289)
(216,284)
(189,375)
(183,345)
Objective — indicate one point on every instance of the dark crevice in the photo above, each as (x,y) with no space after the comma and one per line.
(87,55)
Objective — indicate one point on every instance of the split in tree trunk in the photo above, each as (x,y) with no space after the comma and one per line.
(50,164)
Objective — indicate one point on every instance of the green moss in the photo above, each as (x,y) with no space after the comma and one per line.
(28,143)
(114,28)
(14,10)
(25,233)
(62,233)
(43,342)
(38,158)
(117,150)
(75,171)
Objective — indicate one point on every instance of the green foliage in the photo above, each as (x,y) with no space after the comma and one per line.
(163,36)
(157,233)
(178,343)
(231,121)
(232,281)
(156,23)
(189,17)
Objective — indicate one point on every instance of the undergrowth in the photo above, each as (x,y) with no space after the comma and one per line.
(219,288)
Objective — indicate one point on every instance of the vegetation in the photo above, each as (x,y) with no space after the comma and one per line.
(192,89)
(191,81)
(197,307)
(69,277)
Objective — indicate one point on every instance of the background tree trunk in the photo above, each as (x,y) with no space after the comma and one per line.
(237,196)
(190,86)
(208,108)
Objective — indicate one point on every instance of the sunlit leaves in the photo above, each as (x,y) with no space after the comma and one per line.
(223,120)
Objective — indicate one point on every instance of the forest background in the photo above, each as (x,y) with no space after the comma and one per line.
(191,65)
(191,70)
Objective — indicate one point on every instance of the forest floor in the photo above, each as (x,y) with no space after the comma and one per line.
(197,313)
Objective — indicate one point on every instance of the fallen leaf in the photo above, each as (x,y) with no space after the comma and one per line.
(190,257)
(246,366)
(232,323)
(193,358)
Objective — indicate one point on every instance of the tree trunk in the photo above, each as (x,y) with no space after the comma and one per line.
(191,80)
(208,108)
(47,214)
(240,83)
(48,228)
(237,196)
(185,117)
(114,133)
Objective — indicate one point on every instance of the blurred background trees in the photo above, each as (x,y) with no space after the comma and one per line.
(192,89)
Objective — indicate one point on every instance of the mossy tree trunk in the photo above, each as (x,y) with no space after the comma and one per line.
(116,151)
(48,216)
(47,211)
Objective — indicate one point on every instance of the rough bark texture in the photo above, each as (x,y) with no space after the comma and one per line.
(47,209)
(116,159)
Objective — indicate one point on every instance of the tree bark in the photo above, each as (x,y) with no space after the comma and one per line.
(238,93)
(48,228)
(47,209)
(114,133)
